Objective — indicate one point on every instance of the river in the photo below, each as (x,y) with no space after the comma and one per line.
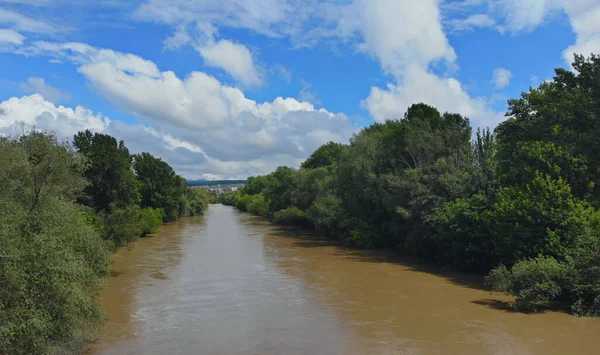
(231,283)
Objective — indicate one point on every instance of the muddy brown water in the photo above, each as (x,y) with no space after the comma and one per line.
(231,283)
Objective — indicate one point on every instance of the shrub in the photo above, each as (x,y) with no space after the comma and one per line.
(122,225)
(150,219)
(258,205)
(196,202)
(532,281)
(291,216)
(325,214)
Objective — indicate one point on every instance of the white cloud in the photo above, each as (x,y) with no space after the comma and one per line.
(268,17)
(400,34)
(517,16)
(39,86)
(470,23)
(236,59)
(404,33)
(446,94)
(22,23)
(11,37)
(584,16)
(407,38)
(282,132)
(81,53)
(306,93)
(199,125)
(501,77)
(195,102)
(35,111)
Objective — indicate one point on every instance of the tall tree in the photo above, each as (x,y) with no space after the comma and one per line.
(160,187)
(110,173)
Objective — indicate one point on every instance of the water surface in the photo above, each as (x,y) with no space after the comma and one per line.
(231,283)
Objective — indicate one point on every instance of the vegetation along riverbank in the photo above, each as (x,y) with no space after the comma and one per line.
(65,208)
(519,204)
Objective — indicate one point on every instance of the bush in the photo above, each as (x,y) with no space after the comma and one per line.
(533,281)
(362,235)
(196,202)
(242,201)
(122,225)
(292,216)
(540,218)
(228,198)
(464,241)
(150,219)
(258,205)
(325,214)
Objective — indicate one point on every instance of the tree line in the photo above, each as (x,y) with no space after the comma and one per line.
(518,204)
(65,208)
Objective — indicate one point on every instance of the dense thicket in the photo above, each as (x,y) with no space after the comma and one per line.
(64,209)
(519,203)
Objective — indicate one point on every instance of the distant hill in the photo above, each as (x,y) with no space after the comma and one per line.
(203,182)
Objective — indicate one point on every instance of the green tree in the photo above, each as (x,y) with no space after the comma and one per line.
(160,186)
(109,171)
(52,260)
(325,155)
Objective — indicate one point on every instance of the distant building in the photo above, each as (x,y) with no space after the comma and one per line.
(220,188)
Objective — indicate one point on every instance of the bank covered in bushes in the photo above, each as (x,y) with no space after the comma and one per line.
(65,208)
(519,203)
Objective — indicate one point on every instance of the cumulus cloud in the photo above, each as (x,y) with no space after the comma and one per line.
(447,94)
(406,37)
(34,110)
(407,48)
(39,86)
(236,59)
(282,132)
(584,15)
(195,102)
(501,77)
(199,125)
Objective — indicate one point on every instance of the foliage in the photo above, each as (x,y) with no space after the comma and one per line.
(149,220)
(227,198)
(257,205)
(292,216)
(325,155)
(111,179)
(160,187)
(524,196)
(55,252)
(196,202)
(532,281)
(51,259)
(540,218)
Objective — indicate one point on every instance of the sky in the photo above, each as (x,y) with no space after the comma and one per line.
(226,89)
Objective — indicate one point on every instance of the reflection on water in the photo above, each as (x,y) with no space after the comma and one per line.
(230,283)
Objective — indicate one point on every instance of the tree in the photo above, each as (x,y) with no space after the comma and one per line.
(325,155)
(160,186)
(109,171)
(562,112)
(51,258)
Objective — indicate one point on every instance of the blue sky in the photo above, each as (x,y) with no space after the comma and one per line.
(232,88)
